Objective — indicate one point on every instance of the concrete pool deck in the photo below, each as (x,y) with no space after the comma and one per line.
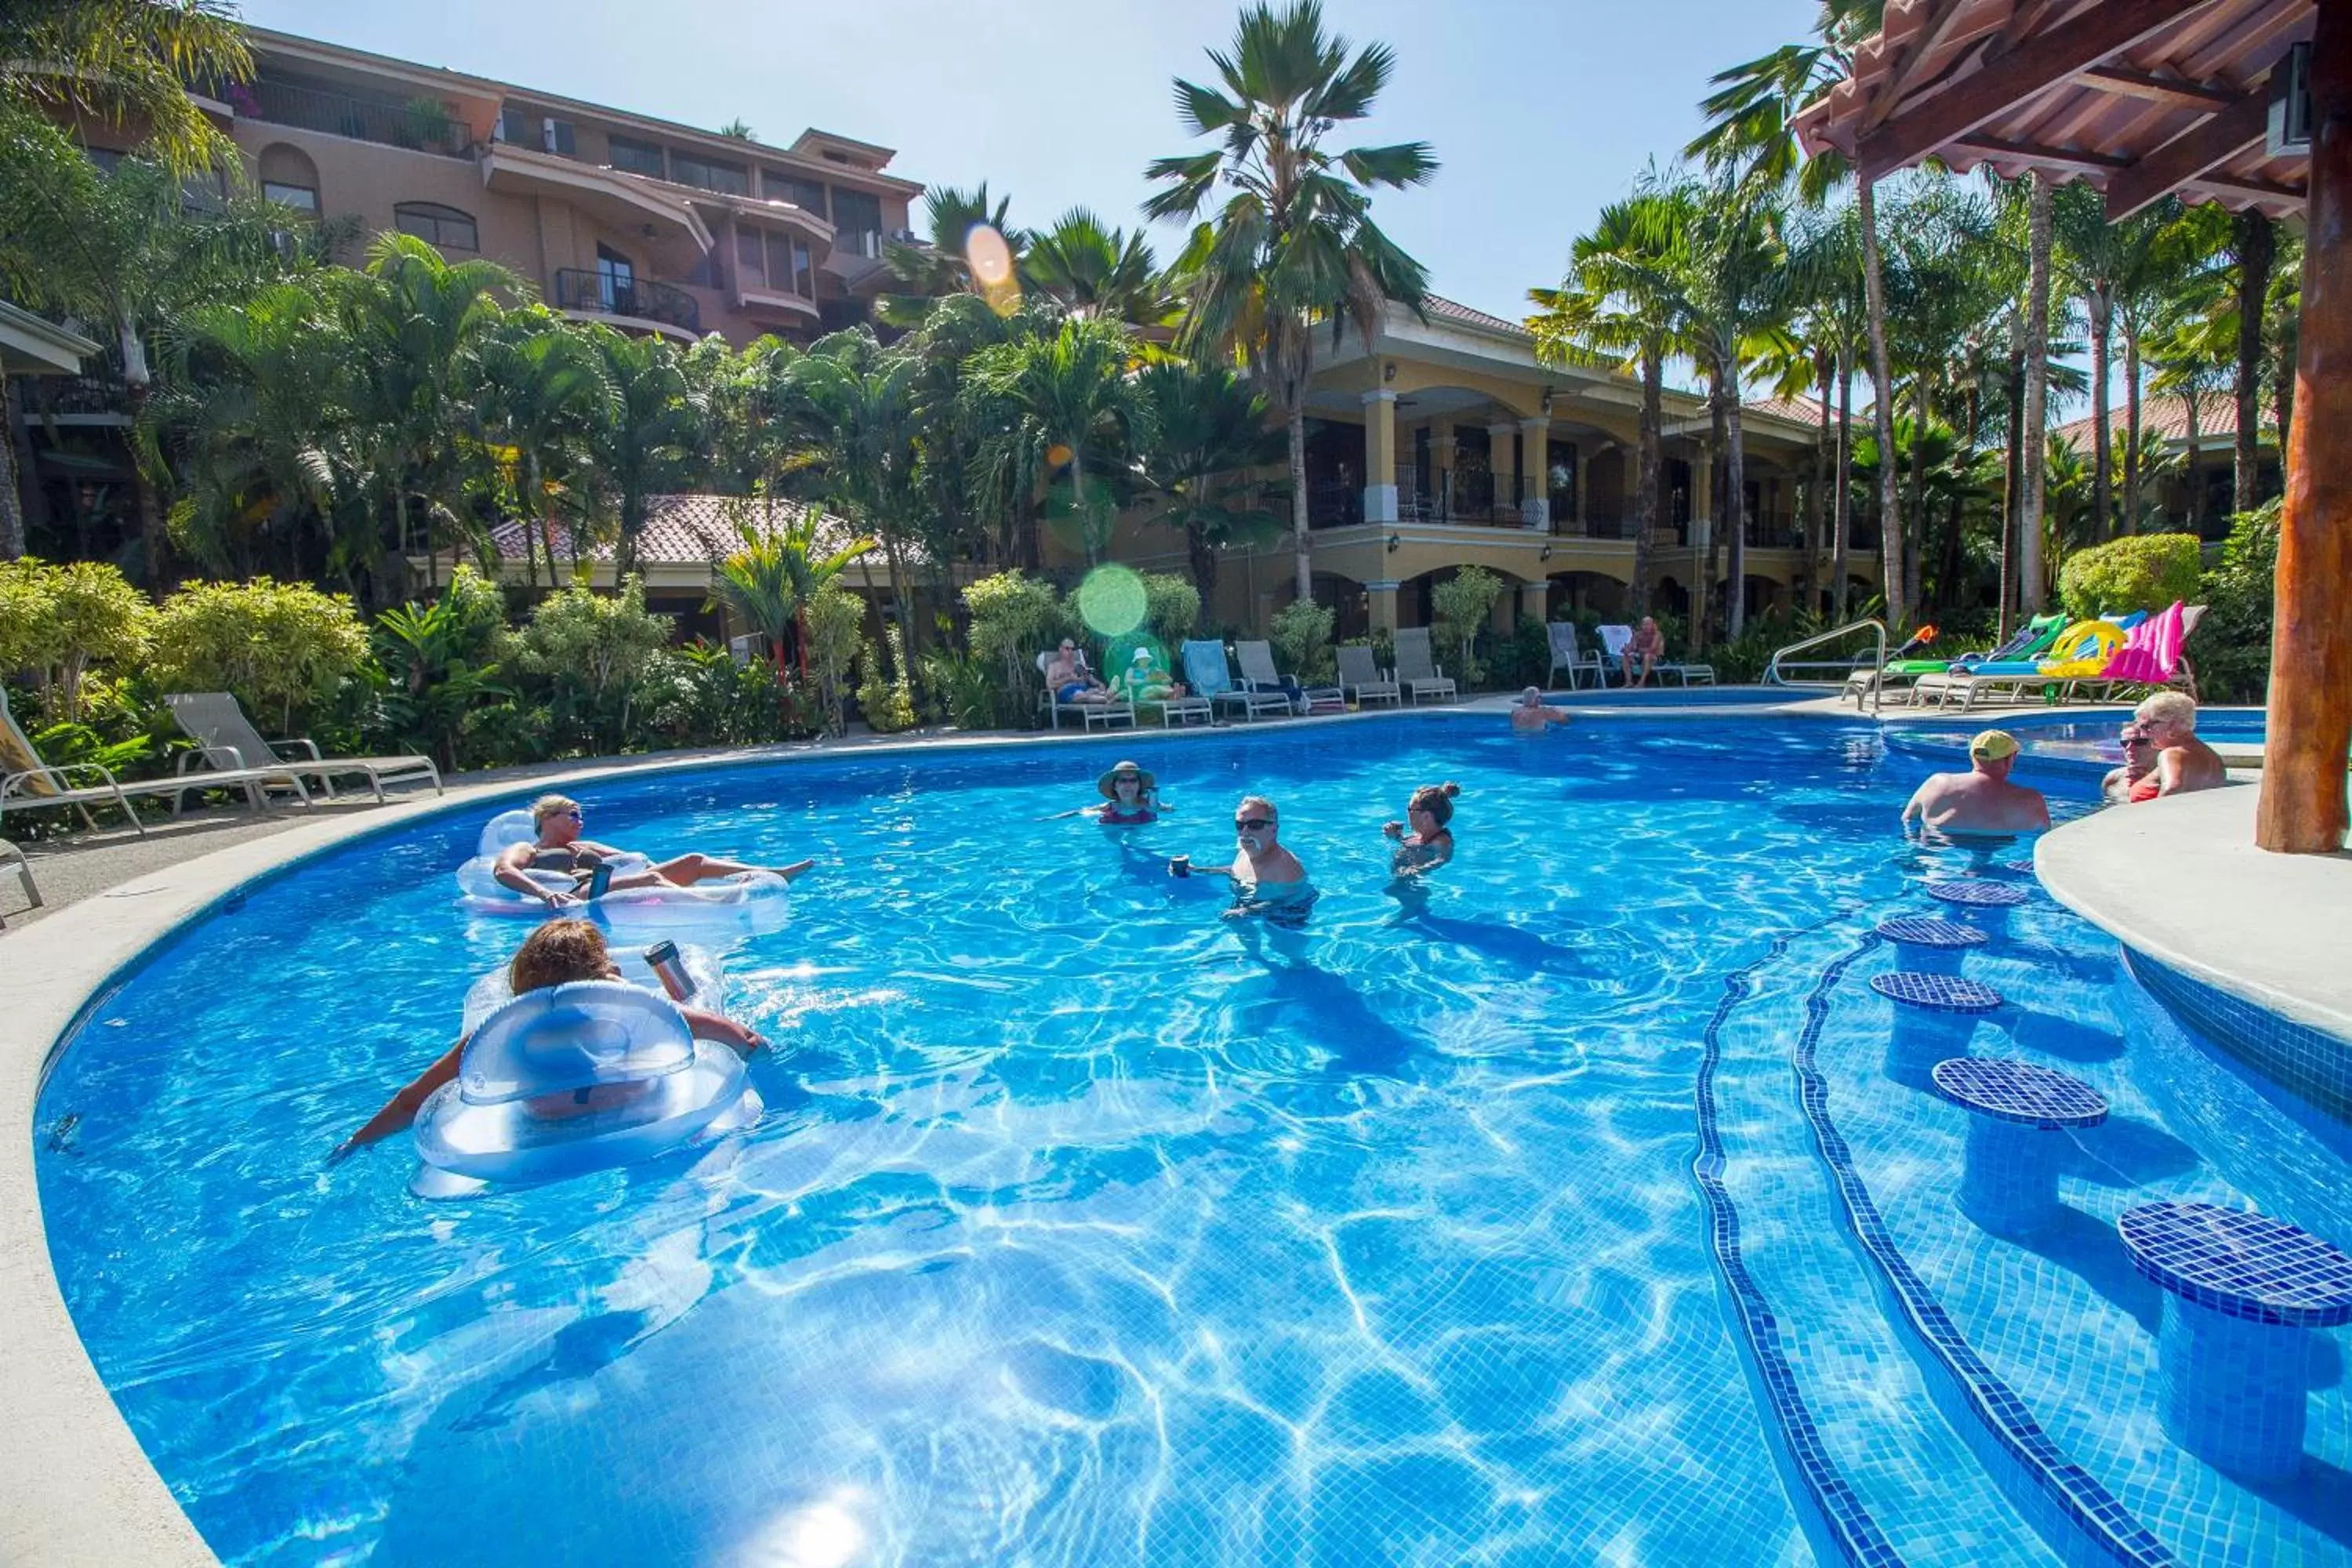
(75,1487)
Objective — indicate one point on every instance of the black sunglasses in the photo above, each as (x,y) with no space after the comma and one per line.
(2137,739)
(1252,824)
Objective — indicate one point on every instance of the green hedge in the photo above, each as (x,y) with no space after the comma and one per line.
(2144,572)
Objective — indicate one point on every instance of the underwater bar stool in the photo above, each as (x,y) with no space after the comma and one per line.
(1935,1014)
(1926,946)
(1982,903)
(2242,1294)
(2010,1182)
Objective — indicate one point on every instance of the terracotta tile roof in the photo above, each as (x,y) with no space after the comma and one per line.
(1446,309)
(683,531)
(1796,410)
(2168,414)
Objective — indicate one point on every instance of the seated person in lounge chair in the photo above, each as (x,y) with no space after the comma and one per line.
(1646,649)
(1268,878)
(1530,717)
(1982,800)
(1424,840)
(559,847)
(1069,680)
(1144,681)
(558,953)
(2183,763)
(2122,784)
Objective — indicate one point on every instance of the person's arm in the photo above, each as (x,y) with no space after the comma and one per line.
(400,1112)
(1394,829)
(2169,771)
(508,873)
(725,1030)
(1918,805)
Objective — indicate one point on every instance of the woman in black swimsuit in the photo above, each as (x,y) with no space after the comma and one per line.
(559,847)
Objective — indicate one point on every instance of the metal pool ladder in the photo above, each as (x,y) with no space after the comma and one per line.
(1777,672)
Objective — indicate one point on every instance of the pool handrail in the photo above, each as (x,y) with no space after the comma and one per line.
(1774,677)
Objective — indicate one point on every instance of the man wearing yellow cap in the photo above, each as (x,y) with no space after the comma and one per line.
(1982,800)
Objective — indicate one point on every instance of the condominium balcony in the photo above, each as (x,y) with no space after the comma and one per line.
(643,300)
(422,125)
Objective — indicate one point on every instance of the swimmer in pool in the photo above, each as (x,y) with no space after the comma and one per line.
(558,953)
(1268,878)
(557,847)
(1530,717)
(1131,797)
(1428,844)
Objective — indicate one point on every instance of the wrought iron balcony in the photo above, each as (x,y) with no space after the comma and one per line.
(422,125)
(581,289)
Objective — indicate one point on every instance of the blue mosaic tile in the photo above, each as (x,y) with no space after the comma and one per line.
(1937,992)
(1977,893)
(2011,1091)
(2240,1264)
(2313,1066)
(1926,931)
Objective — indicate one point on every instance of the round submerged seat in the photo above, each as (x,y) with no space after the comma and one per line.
(577,1078)
(2009,1183)
(1980,900)
(753,902)
(2241,1294)
(1925,945)
(1935,1016)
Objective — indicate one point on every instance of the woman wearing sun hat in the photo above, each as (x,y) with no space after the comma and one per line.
(1131,797)
(1144,681)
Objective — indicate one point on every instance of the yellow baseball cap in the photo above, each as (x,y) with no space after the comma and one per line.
(1992,745)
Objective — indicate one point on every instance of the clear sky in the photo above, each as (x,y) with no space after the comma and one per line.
(1540,111)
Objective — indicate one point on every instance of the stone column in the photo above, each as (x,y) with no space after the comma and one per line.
(1441,466)
(1534,461)
(1534,598)
(1380,457)
(1702,523)
(1584,461)
(1502,464)
(1381,598)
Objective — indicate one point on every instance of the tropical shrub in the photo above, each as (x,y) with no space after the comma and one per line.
(592,649)
(436,671)
(965,690)
(1013,616)
(1301,634)
(1172,606)
(1462,605)
(58,621)
(2139,571)
(1524,658)
(834,620)
(2231,649)
(887,700)
(282,649)
(699,695)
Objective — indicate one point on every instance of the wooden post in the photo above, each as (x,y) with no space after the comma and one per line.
(2302,807)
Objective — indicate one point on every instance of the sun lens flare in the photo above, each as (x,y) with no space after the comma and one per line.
(991,260)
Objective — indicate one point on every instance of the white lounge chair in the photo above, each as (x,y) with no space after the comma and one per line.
(1112,711)
(1258,673)
(27,782)
(14,859)
(1416,669)
(1566,654)
(1360,678)
(219,726)
(1206,670)
(1615,639)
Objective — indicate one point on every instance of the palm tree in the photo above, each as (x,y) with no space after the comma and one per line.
(1205,435)
(122,62)
(771,578)
(934,270)
(647,438)
(1070,393)
(1292,245)
(1622,302)
(2194,359)
(855,404)
(542,385)
(1087,270)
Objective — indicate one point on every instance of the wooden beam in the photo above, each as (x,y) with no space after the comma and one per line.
(2032,68)
(2182,94)
(2249,187)
(2197,151)
(2302,805)
(2048,157)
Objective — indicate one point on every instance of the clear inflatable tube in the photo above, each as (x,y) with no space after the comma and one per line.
(574,1079)
(752,903)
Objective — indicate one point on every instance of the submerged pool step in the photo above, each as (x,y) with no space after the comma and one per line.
(1840,1385)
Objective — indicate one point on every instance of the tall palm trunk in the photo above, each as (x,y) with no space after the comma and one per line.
(154,548)
(2255,249)
(2099,306)
(1651,479)
(2196,475)
(1843,502)
(2012,490)
(1294,410)
(2130,523)
(12,512)
(1735,505)
(1914,545)
(1881,380)
(1817,503)
(1205,565)
(2032,590)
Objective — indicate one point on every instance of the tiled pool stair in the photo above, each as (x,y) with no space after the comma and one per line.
(2006,1371)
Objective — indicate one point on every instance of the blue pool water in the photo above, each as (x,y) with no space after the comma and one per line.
(1574,1212)
(2073,743)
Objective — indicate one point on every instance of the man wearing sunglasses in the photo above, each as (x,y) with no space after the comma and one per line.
(1268,878)
(2128,782)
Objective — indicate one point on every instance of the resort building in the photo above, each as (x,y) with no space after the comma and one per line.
(2194,487)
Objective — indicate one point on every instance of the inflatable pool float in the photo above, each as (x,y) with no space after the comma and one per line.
(753,902)
(572,1079)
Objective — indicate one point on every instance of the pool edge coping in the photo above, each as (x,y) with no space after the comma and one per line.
(75,1486)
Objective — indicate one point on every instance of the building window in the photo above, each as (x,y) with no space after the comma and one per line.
(807,195)
(804,270)
(728,178)
(856,211)
(526,128)
(445,226)
(288,177)
(637,157)
(750,269)
(301,198)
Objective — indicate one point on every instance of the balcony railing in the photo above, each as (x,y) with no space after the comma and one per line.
(578,289)
(418,126)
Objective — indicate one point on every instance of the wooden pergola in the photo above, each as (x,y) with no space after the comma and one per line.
(2145,99)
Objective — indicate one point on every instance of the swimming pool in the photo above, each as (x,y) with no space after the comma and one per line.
(1087,1227)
